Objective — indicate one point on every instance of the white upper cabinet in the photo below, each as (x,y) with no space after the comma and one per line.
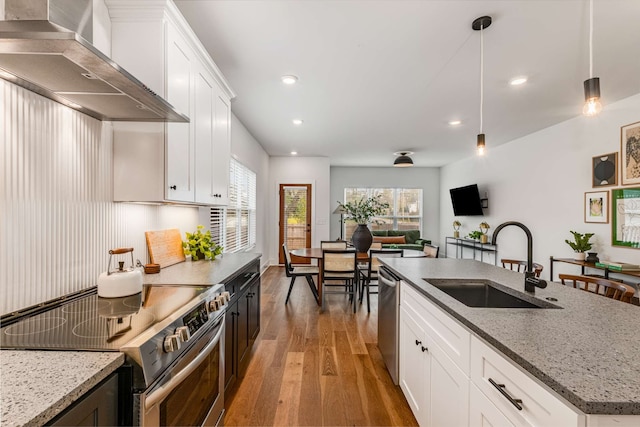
(170,162)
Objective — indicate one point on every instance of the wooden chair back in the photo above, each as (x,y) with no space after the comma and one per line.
(432,251)
(333,244)
(339,263)
(597,285)
(518,265)
(287,260)
(376,254)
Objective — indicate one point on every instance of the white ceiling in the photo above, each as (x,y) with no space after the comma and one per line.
(377,77)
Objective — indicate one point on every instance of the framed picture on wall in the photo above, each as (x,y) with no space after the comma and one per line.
(604,170)
(630,153)
(625,212)
(596,206)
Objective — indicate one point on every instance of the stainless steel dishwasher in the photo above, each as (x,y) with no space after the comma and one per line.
(389,320)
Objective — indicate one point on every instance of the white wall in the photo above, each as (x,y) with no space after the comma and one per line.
(540,180)
(428,179)
(246,150)
(299,170)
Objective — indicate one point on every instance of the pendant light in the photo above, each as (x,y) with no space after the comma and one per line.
(403,160)
(592,105)
(480,24)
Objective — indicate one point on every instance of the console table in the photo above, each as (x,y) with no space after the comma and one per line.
(585,264)
(475,246)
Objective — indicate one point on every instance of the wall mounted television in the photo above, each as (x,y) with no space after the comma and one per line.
(466,200)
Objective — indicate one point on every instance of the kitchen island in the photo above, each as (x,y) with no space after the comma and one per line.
(37,385)
(586,351)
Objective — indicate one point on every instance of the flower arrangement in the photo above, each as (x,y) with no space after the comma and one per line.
(363,210)
(200,246)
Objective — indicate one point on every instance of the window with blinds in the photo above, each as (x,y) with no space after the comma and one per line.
(234,227)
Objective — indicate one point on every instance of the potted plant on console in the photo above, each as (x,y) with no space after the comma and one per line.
(362,211)
(200,246)
(580,244)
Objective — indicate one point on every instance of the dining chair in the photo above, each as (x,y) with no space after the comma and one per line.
(295,272)
(339,265)
(431,251)
(517,265)
(600,286)
(369,276)
(333,244)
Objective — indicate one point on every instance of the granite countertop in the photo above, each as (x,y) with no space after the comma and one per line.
(588,351)
(202,272)
(38,385)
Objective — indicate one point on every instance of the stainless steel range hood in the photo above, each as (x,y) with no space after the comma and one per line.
(45,47)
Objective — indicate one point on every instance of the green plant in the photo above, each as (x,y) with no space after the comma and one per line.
(361,211)
(476,234)
(199,245)
(581,241)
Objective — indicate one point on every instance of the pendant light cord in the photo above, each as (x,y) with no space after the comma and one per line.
(481,74)
(590,38)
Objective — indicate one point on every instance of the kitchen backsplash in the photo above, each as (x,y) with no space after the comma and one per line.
(57,220)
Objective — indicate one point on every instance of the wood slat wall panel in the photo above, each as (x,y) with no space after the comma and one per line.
(57,218)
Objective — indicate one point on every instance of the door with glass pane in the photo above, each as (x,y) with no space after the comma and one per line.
(295,219)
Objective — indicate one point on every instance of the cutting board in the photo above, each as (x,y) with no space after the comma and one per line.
(165,247)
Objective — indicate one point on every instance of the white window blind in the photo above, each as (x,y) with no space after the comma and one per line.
(234,227)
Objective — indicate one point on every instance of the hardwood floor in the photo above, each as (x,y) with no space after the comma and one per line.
(315,369)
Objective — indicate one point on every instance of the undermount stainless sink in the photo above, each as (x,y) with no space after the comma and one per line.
(487,294)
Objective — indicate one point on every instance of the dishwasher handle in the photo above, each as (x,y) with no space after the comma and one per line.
(385,277)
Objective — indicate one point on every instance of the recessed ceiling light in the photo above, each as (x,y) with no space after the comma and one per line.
(517,81)
(297,122)
(294,153)
(289,80)
(455,122)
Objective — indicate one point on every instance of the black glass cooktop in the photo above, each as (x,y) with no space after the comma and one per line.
(94,323)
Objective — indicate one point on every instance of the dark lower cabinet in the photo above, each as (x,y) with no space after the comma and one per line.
(242,322)
(99,407)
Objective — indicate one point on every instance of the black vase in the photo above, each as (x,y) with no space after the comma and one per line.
(362,238)
(592,257)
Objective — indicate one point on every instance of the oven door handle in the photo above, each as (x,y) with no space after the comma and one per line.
(163,391)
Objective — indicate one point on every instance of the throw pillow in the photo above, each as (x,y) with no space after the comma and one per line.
(389,239)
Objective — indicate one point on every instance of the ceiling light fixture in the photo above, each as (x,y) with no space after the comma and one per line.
(403,160)
(297,122)
(455,122)
(517,81)
(480,24)
(592,105)
(289,80)
(294,153)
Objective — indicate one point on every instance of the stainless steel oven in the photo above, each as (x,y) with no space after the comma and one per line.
(191,391)
(173,338)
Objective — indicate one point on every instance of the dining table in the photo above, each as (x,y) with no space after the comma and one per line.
(362,257)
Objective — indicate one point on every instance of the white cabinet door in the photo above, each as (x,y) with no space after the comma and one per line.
(483,413)
(221,149)
(449,391)
(179,157)
(204,129)
(414,366)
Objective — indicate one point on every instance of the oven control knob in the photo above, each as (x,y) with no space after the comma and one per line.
(227,296)
(171,343)
(184,333)
(214,305)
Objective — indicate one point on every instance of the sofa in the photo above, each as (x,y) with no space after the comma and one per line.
(401,239)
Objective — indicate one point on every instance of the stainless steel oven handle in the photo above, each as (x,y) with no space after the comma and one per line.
(163,391)
(386,280)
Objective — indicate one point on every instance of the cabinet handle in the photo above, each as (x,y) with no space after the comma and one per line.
(501,388)
(418,342)
(424,349)
(173,187)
